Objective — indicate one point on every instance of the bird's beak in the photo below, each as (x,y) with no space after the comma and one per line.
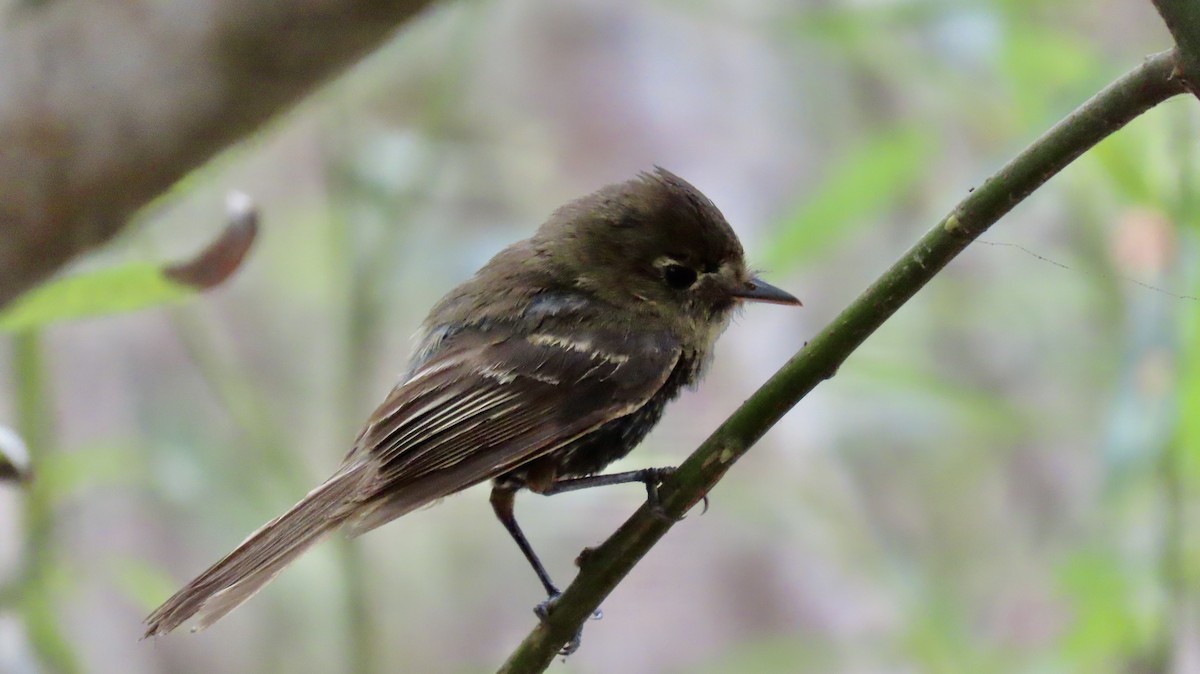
(757,290)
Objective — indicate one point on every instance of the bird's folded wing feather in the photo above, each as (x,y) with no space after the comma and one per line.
(484,405)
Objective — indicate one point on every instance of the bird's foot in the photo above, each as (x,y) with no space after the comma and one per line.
(654,478)
(542,611)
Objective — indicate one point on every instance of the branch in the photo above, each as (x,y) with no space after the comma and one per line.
(601,568)
(1183,20)
(104,105)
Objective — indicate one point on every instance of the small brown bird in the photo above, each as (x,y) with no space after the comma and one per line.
(553,361)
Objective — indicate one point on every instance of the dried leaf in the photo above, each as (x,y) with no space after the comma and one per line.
(216,263)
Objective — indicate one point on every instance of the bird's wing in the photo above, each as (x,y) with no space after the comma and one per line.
(486,405)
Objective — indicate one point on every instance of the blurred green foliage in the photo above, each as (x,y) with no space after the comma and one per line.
(869,180)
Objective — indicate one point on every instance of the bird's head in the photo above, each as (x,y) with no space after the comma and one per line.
(659,248)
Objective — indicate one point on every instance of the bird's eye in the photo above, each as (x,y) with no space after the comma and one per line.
(678,276)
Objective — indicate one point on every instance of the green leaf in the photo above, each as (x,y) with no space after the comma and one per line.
(139,285)
(100,293)
(869,180)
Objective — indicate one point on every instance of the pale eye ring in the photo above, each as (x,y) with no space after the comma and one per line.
(678,276)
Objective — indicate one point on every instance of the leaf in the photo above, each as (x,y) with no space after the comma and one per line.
(138,285)
(100,293)
(869,180)
(217,262)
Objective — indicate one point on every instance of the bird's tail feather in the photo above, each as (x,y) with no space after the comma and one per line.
(254,563)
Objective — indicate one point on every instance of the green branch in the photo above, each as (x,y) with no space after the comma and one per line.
(601,568)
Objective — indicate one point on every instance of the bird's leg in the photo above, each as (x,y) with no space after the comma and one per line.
(651,477)
(503,495)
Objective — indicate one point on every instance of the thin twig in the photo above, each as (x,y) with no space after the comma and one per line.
(604,566)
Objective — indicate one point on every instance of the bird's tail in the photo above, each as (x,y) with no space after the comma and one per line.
(254,563)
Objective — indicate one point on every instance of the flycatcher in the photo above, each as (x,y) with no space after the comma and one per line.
(553,361)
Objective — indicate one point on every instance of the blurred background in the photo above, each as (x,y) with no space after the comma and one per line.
(1005,478)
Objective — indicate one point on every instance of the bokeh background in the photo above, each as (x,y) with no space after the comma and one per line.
(1005,478)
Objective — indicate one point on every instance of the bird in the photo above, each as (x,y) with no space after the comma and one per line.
(554,360)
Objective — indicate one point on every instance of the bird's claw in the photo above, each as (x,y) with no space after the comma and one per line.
(572,645)
(656,506)
(659,512)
